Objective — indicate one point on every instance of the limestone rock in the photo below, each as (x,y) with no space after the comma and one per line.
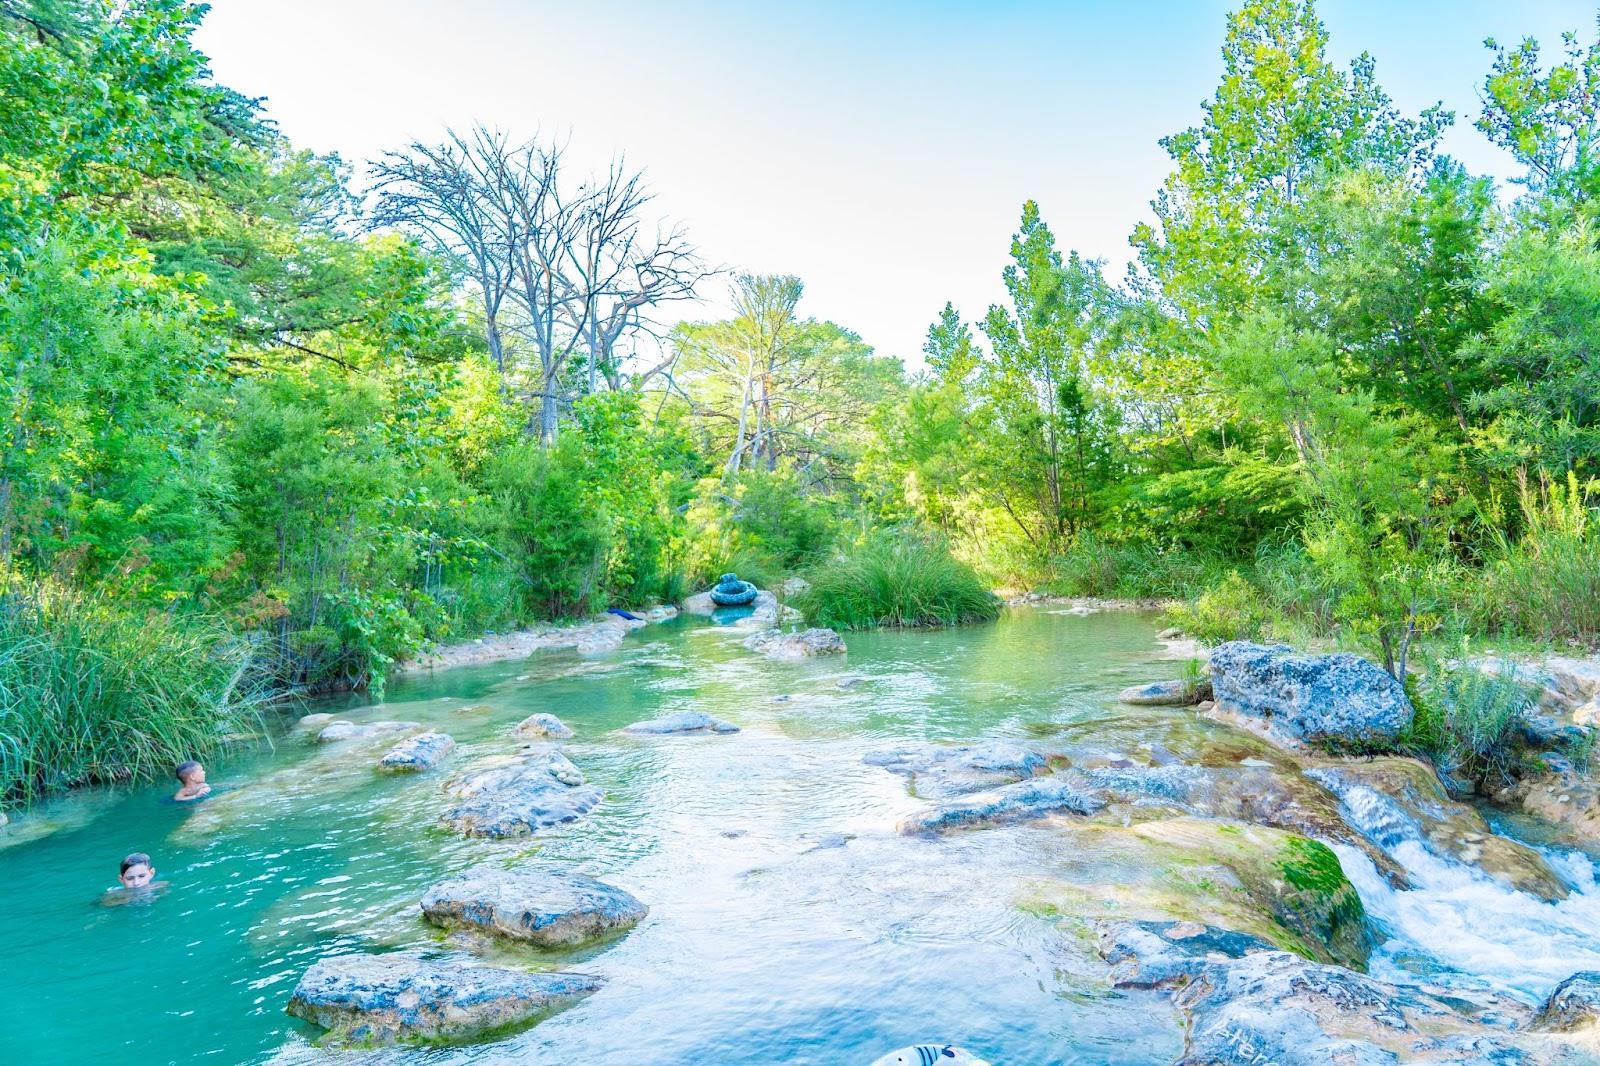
(1180,692)
(1020,802)
(1574,1005)
(314,722)
(681,722)
(340,730)
(544,725)
(939,772)
(414,754)
(519,794)
(541,907)
(1337,699)
(805,644)
(384,999)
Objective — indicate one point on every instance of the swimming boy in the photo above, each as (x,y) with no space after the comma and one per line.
(137,872)
(192,779)
(136,883)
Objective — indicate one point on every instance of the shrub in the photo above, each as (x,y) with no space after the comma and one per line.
(1547,583)
(1232,610)
(1469,724)
(896,578)
(92,692)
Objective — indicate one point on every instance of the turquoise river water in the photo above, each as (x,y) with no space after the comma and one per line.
(789,923)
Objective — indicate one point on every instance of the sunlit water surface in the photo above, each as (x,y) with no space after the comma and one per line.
(788,922)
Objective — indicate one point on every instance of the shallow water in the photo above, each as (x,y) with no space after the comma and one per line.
(788,922)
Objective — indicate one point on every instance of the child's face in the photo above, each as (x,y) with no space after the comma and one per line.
(194,777)
(136,876)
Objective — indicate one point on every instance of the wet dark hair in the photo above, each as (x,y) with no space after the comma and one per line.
(138,858)
(185,768)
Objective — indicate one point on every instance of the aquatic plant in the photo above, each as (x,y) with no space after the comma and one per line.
(91,691)
(896,578)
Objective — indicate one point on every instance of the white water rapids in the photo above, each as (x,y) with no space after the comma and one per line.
(1458,925)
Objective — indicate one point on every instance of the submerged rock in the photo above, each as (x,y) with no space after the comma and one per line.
(519,794)
(1021,802)
(805,644)
(1573,1006)
(341,730)
(386,999)
(541,907)
(544,725)
(1338,699)
(1245,1003)
(938,772)
(314,722)
(1181,692)
(681,722)
(421,752)
(930,1055)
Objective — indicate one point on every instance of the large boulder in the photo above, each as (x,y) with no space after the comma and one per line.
(1340,700)
(1020,802)
(1180,692)
(415,754)
(939,772)
(519,794)
(805,644)
(681,722)
(543,907)
(386,999)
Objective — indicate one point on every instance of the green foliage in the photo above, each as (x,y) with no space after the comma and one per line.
(1468,722)
(1232,610)
(896,578)
(92,690)
(1545,584)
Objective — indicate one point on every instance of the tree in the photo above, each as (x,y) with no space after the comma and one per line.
(1549,121)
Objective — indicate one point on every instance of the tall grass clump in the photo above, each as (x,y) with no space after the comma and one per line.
(93,692)
(1468,722)
(896,579)
(1545,584)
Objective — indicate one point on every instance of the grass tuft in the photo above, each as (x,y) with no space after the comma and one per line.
(896,579)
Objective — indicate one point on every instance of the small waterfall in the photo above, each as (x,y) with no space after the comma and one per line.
(1456,925)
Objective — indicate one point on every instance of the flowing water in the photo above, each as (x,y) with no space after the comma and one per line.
(788,923)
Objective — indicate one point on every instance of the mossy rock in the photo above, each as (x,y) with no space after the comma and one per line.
(1280,886)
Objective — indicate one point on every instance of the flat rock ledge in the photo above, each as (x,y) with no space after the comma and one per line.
(1245,1002)
(416,754)
(340,730)
(1176,693)
(389,999)
(543,907)
(682,722)
(600,635)
(1295,699)
(938,772)
(519,794)
(544,725)
(1021,802)
(805,644)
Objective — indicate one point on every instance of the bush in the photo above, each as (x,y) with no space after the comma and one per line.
(1547,584)
(897,579)
(91,692)
(553,537)
(1232,610)
(1469,724)
(1097,567)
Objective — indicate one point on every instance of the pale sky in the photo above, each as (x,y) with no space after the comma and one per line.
(880,151)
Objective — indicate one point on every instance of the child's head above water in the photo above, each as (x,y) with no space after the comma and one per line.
(136,871)
(190,773)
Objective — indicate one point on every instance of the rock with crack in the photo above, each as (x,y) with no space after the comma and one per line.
(415,754)
(1180,692)
(388,999)
(544,725)
(1340,700)
(1246,1003)
(681,722)
(544,907)
(515,795)
(939,772)
(792,647)
(1020,802)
